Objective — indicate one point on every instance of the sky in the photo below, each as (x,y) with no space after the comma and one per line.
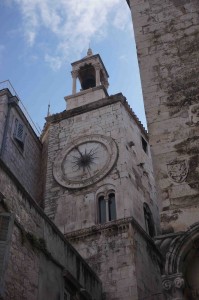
(39,39)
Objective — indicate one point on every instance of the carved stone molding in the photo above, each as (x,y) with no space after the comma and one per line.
(120,225)
(194,115)
(179,283)
(97,66)
(173,286)
(74,73)
(178,170)
(167,284)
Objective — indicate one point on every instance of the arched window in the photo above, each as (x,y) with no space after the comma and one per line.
(107,208)
(111,207)
(149,224)
(102,209)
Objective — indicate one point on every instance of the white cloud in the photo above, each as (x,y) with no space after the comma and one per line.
(120,19)
(54,62)
(74,23)
(123,58)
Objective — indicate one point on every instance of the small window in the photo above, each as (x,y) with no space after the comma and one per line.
(149,224)
(107,208)
(144,145)
(19,133)
(111,207)
(102,210)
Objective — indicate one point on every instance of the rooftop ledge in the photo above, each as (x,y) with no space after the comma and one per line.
(93,106)
(85,97)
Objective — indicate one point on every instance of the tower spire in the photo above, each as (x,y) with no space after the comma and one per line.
(89,52)
(48,112)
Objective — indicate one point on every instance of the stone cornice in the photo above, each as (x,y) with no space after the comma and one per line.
(89,58)
(135,118)
(113,225)
(7,92)
(116,225)
(84,108)
(95,105)
(84,92)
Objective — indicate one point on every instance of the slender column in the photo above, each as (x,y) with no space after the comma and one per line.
(179,285)
(107,210)
(97,74)
(74,76)
(106,84)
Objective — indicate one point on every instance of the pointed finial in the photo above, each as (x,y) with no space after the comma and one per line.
(89,52)
(48,113)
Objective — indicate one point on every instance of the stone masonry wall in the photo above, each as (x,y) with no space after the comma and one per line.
(167,38)
(37,245)
(44,164)
(22,274)
(124,260)
(85,97)
(3,113)
(148,269)
(23,160)
(131,178)
(26,163)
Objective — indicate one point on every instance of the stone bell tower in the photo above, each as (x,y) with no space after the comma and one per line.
(91,72)
(93,78)
(100,187)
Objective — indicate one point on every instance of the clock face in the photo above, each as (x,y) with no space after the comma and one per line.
(85,161)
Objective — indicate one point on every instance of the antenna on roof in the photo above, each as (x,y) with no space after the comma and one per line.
(48,113)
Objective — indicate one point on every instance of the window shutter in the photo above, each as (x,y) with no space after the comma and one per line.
(6,226)
(20,132)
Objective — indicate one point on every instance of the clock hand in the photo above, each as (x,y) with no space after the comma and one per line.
(89,174)
(76,147)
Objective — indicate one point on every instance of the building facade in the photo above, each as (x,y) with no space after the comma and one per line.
(79,207)
(167,39)
(99,187)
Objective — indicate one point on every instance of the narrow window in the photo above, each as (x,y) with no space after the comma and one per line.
(144,145)
(19,133)
(107,208)
(149,224)
(102,210)
(111,207)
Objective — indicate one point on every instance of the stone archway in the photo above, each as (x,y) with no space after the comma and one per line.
(181,279)
(191,275)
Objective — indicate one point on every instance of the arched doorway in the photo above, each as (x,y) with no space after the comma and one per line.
(181,278)
(191,275)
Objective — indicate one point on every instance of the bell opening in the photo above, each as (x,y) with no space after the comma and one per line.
(87,77)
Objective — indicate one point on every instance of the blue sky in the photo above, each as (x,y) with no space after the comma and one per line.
(40,39)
